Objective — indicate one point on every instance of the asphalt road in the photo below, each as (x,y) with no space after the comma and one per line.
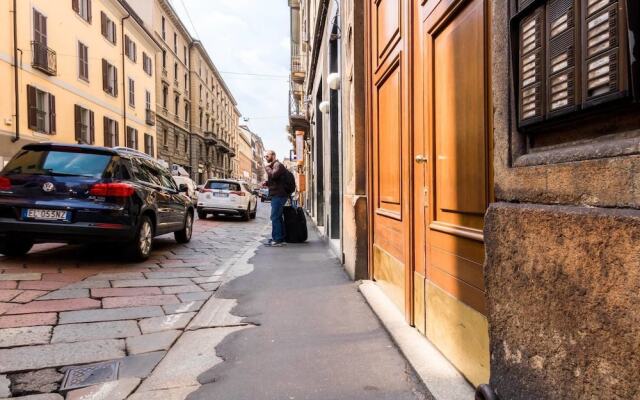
(315,337)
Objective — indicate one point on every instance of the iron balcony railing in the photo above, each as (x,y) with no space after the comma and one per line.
(150,117)
(298,64)
(44,59)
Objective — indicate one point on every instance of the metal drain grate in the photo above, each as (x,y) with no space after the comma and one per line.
(87,375)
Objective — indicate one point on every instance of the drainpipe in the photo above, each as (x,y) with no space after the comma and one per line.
(16,71)
(124,84)
(194,173)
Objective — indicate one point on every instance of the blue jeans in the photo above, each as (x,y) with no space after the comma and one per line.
(277,218)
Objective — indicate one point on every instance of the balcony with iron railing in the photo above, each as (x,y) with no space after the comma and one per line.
(150,117)
(298,64)
(44,59)
(297,114)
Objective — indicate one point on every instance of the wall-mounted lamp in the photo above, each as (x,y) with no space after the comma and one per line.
(333,80)
(325,107)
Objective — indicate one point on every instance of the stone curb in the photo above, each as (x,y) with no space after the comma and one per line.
(436,372)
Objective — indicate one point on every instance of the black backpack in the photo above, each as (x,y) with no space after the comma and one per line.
(289,182)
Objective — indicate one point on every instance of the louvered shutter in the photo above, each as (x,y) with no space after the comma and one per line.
(32,110)
(117,135)
(52,114)
(103,23)
(75,4)
(126,46)
(115,81)
(105,75)
(107,132)
(89,16)
(135,135)
(78,123)
(152,146)
(562,75)
(531,68)
(601,48)
(135,52)
(92,128)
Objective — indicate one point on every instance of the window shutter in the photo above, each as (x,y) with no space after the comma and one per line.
(75,5)
(52,114)
(531,66)
(77,115)
(103,23)
(135,53)
(32,109)
(92,130)
(115,81)
(107,135)
(117,135)
(135,135)
(89,10)
(105,76)
(126,46)
(561,62)
(152,146)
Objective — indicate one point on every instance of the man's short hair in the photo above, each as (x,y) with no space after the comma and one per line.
(271,152)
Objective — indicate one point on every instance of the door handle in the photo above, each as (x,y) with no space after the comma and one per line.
(421,159)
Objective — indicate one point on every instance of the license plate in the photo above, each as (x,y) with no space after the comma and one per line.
(220,195)
(45,215)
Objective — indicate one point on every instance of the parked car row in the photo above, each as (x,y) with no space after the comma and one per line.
(63,193)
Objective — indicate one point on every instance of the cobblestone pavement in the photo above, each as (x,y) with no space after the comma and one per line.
(64,306)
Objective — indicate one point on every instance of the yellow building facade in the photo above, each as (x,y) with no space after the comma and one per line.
(245,154)
(84,74)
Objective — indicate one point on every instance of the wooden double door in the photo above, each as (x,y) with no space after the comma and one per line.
(430,167)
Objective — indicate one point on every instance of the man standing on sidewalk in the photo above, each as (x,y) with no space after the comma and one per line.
(278,192)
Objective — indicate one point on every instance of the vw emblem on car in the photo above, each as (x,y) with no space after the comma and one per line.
(48,187)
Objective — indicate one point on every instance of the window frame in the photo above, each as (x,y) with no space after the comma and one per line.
(83,61)
(132,93)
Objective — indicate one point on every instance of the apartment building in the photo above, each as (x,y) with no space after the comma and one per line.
(258,174)
(197,114)
(493,146)
(245,154)
(171,81)
(215,119)
(83,75)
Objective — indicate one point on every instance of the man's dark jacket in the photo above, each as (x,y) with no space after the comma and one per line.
(275,173)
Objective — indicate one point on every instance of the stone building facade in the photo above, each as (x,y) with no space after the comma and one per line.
(197,114)
(215,119)
(94,86)
(492,148)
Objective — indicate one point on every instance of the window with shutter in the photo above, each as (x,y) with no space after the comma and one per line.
(571,56)
(85,125)
(82,8)
(83,61)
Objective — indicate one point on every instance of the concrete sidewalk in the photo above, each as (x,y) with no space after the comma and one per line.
(310,335)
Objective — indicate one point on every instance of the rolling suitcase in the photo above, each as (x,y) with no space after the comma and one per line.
(295,224)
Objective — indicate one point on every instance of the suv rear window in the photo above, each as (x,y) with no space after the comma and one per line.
(61,163)
(217,185)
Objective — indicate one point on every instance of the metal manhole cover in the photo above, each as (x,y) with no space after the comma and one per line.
(87,375)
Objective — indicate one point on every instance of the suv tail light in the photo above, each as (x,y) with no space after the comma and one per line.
(112,190)
(237,193)
(5,183)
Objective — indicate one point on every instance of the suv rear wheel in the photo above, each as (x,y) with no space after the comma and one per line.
(184,236)
(202,215)
(15,248)
(140,248)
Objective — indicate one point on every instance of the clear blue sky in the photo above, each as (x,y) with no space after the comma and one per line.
(248,37)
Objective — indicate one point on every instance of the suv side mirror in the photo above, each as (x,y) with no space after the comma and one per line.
(183,188)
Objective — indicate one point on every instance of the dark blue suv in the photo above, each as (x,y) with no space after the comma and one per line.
(86,194)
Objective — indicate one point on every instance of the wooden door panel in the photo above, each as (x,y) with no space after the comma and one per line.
(460,120)
(388,88)
(457,109)
(389,143)
(388,23)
